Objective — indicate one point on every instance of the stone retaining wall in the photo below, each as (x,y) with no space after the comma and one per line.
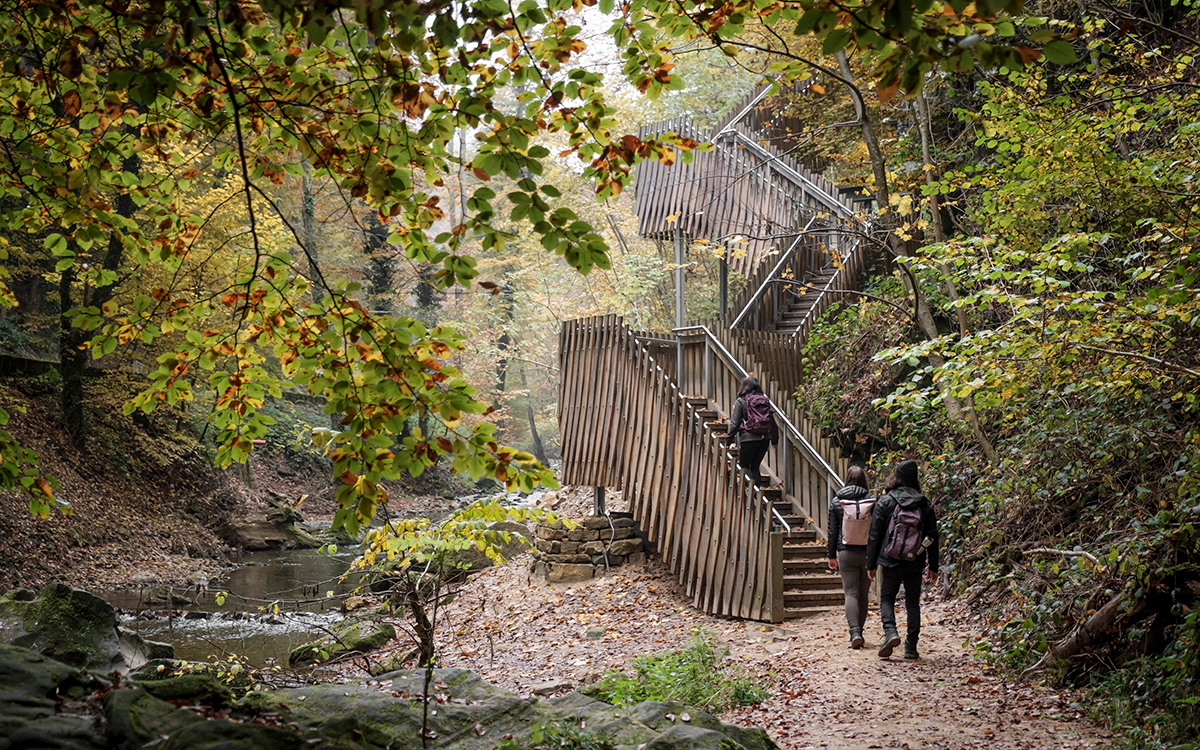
(563,555)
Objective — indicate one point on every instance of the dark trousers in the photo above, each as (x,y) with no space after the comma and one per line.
(908,575)
(750,457)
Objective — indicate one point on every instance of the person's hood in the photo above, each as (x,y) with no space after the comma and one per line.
(852,492)
(907,497)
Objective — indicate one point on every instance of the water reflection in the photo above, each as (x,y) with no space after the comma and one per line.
(272,603)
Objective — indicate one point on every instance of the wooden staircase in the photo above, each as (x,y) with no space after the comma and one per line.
(808,584)
(800,307)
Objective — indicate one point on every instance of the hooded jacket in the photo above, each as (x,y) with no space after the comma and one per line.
(834,543)
(881,516)
(737,420)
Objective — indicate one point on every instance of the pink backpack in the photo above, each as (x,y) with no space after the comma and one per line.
(856,519)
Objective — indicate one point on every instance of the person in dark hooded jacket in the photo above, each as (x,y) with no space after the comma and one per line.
(847,547)
(903,491)
(752,446)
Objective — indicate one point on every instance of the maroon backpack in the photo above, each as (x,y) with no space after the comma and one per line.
(758,414)
(903,539)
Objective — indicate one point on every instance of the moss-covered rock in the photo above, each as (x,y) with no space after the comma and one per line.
(350,636)
(386,712)
(135,717)
(220,734)
(206,688)
(74,627)
(30,686)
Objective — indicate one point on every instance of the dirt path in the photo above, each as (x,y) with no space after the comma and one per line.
(518,633)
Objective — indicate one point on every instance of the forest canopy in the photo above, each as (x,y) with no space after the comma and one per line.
(127,128)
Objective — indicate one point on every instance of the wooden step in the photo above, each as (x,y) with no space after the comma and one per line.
(799,599)
(796,523)
(709,415)
(812,582)
(806,566)
(798,552)
(774,494)
(799,536)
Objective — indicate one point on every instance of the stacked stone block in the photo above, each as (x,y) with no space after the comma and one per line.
(563,555)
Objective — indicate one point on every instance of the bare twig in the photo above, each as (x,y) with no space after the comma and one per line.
(1063,553)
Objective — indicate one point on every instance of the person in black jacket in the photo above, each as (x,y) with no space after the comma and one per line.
(752,446)
(903,491)
(845,555)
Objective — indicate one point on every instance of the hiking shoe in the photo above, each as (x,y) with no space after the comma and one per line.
(890,641)
(856,639)
(910,651)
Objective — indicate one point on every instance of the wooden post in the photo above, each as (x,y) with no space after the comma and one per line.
(724,284)
(785,457)
(708,382)
(775,606)
(599,503)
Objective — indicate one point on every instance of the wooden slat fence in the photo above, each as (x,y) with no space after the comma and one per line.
(625,424)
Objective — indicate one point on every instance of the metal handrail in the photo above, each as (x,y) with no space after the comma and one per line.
(695,413)
(811,453)
(774,272)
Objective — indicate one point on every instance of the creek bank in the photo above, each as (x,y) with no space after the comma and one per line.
(53,705)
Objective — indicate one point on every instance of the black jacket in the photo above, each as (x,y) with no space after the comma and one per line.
(906,497)
(834,543)
(738,418)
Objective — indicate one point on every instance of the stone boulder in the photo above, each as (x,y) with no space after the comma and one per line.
(475,715)
(43,708)
(350,636)
(31,686)
(74,627)
(270,526)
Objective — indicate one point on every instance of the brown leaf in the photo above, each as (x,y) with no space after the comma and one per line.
(71,103)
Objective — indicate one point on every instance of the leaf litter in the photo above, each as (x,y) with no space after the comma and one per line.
(518,632)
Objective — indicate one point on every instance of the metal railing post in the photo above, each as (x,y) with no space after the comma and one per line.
(785,449)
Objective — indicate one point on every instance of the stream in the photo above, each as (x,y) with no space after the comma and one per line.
(267,609)
(247,623)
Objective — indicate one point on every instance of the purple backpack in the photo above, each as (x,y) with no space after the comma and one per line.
(758,414)
(903,540)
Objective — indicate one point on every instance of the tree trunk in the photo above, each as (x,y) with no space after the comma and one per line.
(72,358)
(538,450)
(890,220)
(967,409)
(308,214)
(71,363)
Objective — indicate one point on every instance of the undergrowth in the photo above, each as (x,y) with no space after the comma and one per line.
(698,675)
(561,737)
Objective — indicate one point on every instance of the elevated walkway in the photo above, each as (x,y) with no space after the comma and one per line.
(646,412)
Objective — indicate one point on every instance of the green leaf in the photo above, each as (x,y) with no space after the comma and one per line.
(1060,52)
